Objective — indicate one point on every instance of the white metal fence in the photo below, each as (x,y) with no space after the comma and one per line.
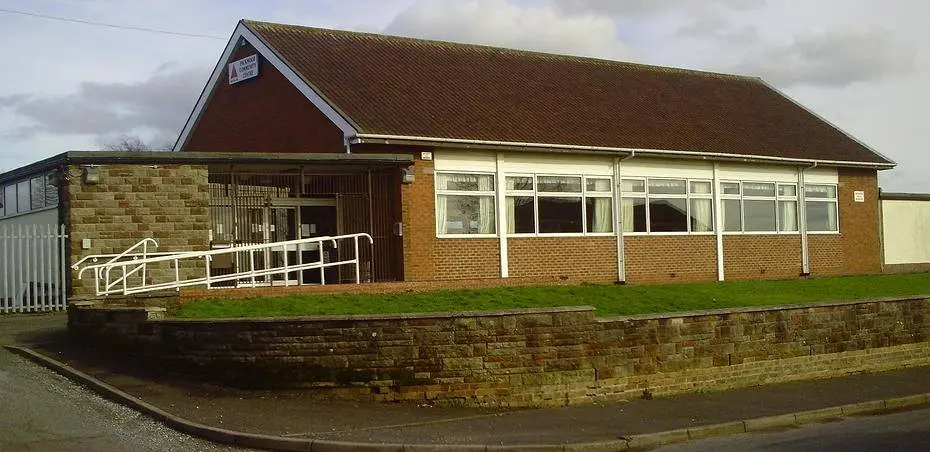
(32,268)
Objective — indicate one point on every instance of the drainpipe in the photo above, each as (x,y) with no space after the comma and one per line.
(802,222)
(618,220)
(718,222)
(501,214)
(348,144)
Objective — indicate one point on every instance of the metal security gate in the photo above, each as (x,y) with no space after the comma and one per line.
(32,268)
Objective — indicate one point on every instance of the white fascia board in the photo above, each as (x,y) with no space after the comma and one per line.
(363,138)
(243,32)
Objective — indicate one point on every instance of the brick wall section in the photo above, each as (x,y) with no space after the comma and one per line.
(169,203)
(652,259)
(761,256)
(532,357)
(859,222)
(264,114)
(592,259)
(418,212)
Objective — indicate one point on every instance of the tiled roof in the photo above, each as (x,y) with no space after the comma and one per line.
(401,86)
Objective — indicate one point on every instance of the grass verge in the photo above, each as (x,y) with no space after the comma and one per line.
(609,300)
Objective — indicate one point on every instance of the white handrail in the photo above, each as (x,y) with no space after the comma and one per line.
(131,267)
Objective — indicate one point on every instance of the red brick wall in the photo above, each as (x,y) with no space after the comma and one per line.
(761,256)
(264,114)
(671,258)
(567,258)
(857,249)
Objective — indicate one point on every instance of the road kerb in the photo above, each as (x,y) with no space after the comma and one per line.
(657,439)
(706,431)
(906,402)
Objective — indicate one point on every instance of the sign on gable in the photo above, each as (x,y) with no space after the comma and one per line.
(244,69)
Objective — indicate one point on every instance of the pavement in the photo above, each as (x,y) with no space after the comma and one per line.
(303,420)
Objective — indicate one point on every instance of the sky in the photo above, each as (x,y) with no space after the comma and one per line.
(863,65)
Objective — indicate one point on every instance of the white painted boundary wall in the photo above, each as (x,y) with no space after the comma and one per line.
(32,263)
(906,231)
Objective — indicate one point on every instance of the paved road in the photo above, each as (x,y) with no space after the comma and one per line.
(41,411)
(906,431)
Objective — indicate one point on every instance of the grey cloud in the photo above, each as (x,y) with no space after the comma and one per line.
(836,58)
(160,104)
(647,7)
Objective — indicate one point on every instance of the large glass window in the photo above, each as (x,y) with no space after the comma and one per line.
(29,194)
(37,190)
(23,202)
(465,203)
(820,204)
(759,207)
(548,204)
(667,205)
(9,199)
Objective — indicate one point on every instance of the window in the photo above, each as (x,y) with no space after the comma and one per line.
(22,197)
(548,204)
(37,190)
(30,194)
(759,207)
(820,204)
(465,204)
(9,199)
(667,205)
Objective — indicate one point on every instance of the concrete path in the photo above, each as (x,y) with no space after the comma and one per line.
(298,415)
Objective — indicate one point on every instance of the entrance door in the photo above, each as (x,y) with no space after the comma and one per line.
(319,221)
(282,227)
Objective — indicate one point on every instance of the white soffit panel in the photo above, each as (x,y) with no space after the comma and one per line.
(459,160)
(541,163)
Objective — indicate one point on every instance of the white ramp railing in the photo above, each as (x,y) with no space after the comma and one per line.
(133,272)
(32,268)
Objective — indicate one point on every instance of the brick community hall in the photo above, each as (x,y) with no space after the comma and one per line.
(467,162)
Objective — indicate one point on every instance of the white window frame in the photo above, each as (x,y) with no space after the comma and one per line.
(582,195)
(834,200)
(778,198)
(437,192)
(687,196)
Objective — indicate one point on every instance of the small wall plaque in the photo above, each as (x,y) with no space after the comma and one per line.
(859,196)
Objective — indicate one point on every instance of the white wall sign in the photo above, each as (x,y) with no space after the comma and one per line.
(244,69)
(859,196)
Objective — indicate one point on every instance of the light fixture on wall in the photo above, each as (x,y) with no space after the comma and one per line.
(406,176)
(91,175)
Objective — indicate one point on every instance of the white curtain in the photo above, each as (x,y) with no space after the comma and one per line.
(511,215)
(787,216)
(602,215)
(486,206)
(702,213)
(831,217)
(627,214)
(442,212)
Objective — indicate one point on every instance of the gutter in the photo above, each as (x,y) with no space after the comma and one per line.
(460,142)
(618,220)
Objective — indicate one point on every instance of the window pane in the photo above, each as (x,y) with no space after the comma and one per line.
(560,214)
(521,217)
(37,192)
(700,188)
(633,213)
(465,182)
(667,186)
(519,183)
(600,214)
(759,215)
(729,188)
(787,215)
(731,211)
(633,186)
(820,191)
(599,185)
(702,215)
(758,189)
(559,184)
(22,197)
(787,190)
(668,215)
(821,216)
(51,189)
(465,214)
(9,199)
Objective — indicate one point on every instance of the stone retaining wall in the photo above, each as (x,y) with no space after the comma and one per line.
(529,357)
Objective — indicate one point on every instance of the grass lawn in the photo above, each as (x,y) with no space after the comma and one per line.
(610,300)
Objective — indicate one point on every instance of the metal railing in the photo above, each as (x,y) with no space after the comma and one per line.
(114,276)
(32,268)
